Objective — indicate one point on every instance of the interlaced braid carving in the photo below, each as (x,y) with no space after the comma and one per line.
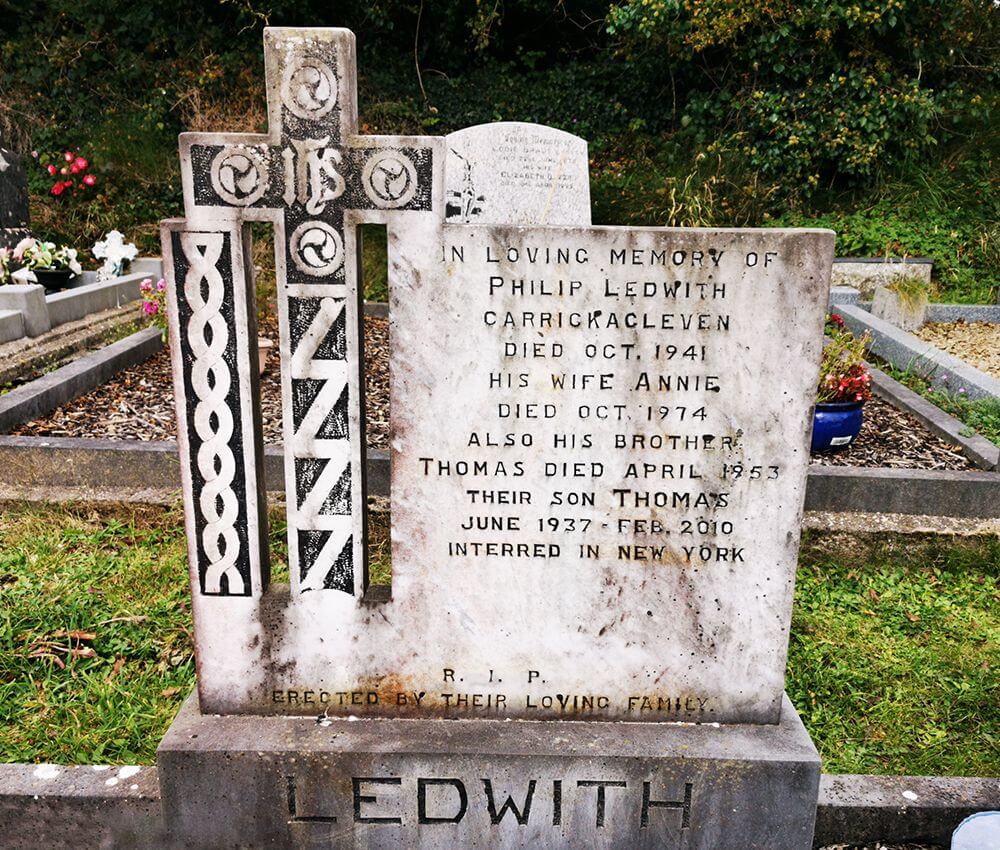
(208,338)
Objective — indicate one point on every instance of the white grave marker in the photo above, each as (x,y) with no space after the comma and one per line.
(599,434)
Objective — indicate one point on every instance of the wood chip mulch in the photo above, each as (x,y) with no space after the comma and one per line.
(890,437)
(977,343)
(138,405)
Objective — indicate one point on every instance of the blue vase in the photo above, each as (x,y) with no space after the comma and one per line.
(836,424)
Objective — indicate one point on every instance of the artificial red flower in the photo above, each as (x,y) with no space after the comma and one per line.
(89,180)
(52,170)
(68,156)
(81,163)
(74,169)
(57,190)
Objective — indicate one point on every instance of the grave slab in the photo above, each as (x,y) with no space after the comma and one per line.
(302,782)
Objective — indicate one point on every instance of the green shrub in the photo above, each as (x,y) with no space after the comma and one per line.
(812,90)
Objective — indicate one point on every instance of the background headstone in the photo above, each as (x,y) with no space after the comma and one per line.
(14,217)
(516,173)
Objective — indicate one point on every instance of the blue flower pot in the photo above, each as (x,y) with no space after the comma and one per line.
(836,424)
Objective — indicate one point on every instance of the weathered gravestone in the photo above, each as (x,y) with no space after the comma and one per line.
(599,456)
(13,200)
(516,173)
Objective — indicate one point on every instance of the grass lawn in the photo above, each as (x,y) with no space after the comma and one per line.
(894,660)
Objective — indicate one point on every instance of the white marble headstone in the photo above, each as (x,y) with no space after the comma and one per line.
(516,173)
(599,435)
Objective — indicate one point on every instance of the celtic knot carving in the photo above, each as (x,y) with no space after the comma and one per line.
(208,338)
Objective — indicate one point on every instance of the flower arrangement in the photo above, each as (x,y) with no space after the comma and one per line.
(69,178)
(843,375)
(154,303)
(34,254)
(5,265)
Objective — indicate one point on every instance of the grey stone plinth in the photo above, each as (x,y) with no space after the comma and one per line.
(84,806)
(296,782)
(887,305)
(843,295)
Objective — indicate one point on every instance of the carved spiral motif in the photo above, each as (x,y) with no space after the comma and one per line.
(308,88)
(316,249)
(239,175)
(208,337)
(389,179)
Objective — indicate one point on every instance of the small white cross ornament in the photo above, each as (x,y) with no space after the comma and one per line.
(115,252)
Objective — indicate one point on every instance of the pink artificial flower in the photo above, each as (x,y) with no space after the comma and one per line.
(64,170)
(146,285)
(74,169)
(68,156)
(34,154)
(150,308)
(52,170)
(89,180)
(80,163)
(23,246)
(161,285)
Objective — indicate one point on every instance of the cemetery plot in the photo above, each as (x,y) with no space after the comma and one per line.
(892,438)
(138,405)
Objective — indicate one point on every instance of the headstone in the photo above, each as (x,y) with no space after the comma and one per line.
(516,173)
(599,451)
(13,200)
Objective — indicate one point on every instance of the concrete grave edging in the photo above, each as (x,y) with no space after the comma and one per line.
(75,468)
(42,396)
(906,351)
(980,451)
(80,806)
(963,312)
(40,312)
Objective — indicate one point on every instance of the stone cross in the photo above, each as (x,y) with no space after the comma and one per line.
(13,200)
(312,177)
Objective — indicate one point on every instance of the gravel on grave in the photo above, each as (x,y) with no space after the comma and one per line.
(138,405)
(977,343)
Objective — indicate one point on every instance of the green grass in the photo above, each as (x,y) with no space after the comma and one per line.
(981,415)
(893,660)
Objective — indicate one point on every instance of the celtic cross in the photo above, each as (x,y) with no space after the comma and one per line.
(313,178)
